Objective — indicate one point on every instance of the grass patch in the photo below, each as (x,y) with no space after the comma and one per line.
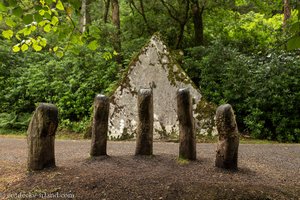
(206,139)
(182,161)
(246,140)
(64,134)
(69,135)
(60,135)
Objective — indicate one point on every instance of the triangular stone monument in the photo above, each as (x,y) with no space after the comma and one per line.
(155,68)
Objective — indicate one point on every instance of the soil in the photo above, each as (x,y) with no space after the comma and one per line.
(266,171)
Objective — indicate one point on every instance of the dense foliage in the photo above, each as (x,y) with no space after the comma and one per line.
(70,83)
(263,89)
(65,52)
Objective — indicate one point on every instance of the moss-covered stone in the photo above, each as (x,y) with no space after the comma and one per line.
(154,67)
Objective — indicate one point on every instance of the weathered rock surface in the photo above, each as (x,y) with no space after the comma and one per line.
(155,68)
(227,148)
(100,126)
(187,136)
(144,138)
(40,137)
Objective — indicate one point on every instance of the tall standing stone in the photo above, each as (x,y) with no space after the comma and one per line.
(227,148)
(187,136)
(100,126)
(144,137)
(41,136)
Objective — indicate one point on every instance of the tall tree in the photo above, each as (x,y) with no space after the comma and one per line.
(141,10)
(286,13)
(106,10)
(197,11)
(117,35)
(180,15)
(85,17)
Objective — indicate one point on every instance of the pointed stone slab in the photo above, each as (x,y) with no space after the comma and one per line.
(41,136)
(227,148)
(144,138)
(100,126)
(187,136)
(154,67)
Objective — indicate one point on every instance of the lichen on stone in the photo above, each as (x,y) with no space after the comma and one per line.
(155,68)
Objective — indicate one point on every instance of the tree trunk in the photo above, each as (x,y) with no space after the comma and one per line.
(287,13)
(85,15)
(180,36)
(181,17)
(198,23)
(106,11)
(141,11)
(117,36)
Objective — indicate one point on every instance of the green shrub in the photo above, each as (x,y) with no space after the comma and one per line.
(70,83)
(263,90)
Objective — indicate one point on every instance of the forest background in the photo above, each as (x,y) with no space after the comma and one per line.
(242,52)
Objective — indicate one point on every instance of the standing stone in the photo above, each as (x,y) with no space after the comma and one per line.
(41,135)
(144,138)
(187,136)
(100,126)
(227,148)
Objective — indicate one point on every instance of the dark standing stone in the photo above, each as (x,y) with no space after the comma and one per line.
(40,137)
(100,126)
(227,149)
(187,136)
(144,138)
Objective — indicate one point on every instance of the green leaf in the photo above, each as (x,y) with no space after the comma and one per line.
(47,16)
(115,53)
(12,3)
(54,20)
(9,22)
(42,23)
(1,18)
(42,12)
(32,28)
(37,17)
(3,8)
(49,2)
(27,31)
(16,48)
(43,42)
(94,31)
(295,27)
(24,47)
(18,11)
(93,45)
(293,43)
(107,56)
(7,34)
(36,47)
(55,48)
(59,54)
(47,28)
(27,19)
(59,5)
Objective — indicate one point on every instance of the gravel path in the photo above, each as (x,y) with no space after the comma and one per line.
(266,171)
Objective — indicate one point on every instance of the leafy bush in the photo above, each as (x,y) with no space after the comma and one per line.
(264,90)
(70,83)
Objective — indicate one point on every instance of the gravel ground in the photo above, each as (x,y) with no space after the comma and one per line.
(266,171)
